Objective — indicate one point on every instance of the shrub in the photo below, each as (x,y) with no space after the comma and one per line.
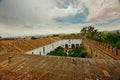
(33,37)
(55,35)
(76,52)
(59,51)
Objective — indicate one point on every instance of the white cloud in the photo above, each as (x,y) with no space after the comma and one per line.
(34,17)
(107,26)
(20,30)
(57,12)
(44,11)
(26,11)
(103,9)
(36,11)
(73,7)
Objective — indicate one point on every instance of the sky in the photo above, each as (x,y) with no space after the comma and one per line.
(41,17)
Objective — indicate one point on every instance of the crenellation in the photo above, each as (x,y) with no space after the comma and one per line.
(94,53)
(111,50)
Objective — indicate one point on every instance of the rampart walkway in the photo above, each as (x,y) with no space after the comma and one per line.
(33,67)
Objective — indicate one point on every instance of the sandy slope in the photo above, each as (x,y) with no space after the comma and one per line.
(20,46)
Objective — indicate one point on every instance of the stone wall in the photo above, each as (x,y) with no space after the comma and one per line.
(43,50)
(95,53)
(108,48)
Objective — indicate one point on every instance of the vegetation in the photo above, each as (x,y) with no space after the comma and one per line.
(33,37)
(72,34)
(59,51)
(112,39)
(76,52)
(90,31)
(55,35)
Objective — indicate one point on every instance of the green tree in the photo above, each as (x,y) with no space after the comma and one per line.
(33,37)
(89,30)
(84,30)
(55,35)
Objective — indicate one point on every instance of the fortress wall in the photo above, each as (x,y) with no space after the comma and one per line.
(109,49)
(93,52)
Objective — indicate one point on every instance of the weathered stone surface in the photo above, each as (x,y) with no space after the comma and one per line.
(34,67)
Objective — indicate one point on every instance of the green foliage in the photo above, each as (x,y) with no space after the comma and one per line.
(84,30)
(72,34)
(97,36)
(78,52)
(89,29)
(83,53)
(33,37)
(55,35)
(111,39)
(59,51)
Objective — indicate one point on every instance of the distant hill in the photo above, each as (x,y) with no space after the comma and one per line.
(114,31)
(118,30)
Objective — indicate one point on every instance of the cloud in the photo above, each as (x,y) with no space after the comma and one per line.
(37,11)
(34,17)
(108,25)
(103,9)
(26,11)
(45,11)
(67,8)
(20,30)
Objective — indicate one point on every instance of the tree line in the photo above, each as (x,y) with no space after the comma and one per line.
(112,39)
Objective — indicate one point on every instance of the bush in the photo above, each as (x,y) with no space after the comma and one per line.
(83,53)
(59,51)
(76,52)
(112,39)
(33,38)
(72,34)
(55,35)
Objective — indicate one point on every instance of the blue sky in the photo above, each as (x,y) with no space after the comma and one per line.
(0,0)
(119,0)
(42,17)
(74,19)
(78,18)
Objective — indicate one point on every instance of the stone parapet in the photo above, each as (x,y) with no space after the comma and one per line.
(108,48)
